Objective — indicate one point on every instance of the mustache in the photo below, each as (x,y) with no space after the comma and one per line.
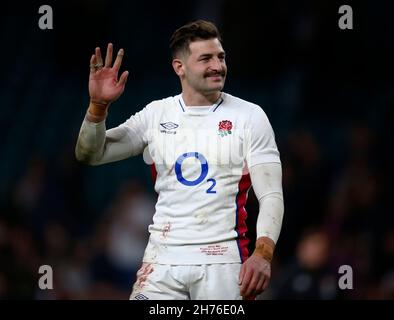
(210,74)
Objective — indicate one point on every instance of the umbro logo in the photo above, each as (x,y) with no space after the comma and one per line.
(169,127)
(140,296)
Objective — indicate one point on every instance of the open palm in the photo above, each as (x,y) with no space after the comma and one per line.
(104,86)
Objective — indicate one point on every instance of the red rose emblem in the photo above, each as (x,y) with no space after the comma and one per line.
(225,125)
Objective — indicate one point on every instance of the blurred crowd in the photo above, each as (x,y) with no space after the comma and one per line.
(329,97)
(92,256)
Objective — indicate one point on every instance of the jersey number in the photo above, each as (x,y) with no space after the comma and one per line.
(204,171)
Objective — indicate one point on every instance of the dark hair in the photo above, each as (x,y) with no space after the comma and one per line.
(196,30)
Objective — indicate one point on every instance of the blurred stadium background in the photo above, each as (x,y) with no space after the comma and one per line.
(328,93)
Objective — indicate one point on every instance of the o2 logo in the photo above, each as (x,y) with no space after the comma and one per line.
(203,175)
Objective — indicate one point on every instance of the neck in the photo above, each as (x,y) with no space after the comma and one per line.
(199,99)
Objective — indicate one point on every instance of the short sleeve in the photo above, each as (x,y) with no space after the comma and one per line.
(261,145)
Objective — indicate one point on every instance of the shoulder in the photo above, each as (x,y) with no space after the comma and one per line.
(249,108)
(161,105)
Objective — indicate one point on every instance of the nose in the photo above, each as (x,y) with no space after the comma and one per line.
(216,65)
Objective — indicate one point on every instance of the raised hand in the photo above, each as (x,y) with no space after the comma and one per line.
(104,86)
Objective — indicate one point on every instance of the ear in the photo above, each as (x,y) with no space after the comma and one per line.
(177,65)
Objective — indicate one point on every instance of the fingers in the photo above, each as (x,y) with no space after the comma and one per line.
(123,79)
(108,57)
(245,281)
(265,283)
(118,60)
(92,63)
(241,274)
(99,59)
(260,286)
(252,285)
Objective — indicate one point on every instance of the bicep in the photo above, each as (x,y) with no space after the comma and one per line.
(260,140)
(120,143)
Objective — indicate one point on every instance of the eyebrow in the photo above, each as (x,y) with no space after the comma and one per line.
(207,55)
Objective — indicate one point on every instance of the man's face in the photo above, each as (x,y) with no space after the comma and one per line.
(204,69)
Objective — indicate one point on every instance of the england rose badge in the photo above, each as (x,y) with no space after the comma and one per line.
(225,127)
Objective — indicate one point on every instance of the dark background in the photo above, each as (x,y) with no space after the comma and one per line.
(327,92)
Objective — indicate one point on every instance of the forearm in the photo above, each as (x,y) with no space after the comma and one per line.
(267,184)
(91,140)
(268,226)
(269,221)
(96,145)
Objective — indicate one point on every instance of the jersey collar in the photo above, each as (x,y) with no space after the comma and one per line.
(211,108)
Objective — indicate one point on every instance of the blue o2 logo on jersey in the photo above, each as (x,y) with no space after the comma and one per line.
(178,168)
(203,174)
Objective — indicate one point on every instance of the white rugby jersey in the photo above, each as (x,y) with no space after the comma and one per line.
(200,157)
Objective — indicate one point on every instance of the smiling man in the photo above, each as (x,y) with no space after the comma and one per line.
(207,148)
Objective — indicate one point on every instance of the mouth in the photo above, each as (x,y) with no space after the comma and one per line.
(215,77)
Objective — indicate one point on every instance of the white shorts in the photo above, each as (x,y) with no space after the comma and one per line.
(187,282)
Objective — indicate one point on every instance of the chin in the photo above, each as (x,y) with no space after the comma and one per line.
(218,87)
(213,90)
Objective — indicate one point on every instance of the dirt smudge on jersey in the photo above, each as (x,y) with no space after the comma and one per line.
(142,274)
(165,230)
(202,217)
